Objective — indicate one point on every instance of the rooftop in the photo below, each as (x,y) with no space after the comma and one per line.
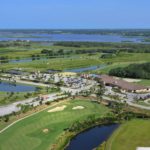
(121,83)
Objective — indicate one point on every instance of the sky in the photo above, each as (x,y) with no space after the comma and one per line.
(74,14)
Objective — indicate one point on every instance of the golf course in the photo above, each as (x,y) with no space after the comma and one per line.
(41,131)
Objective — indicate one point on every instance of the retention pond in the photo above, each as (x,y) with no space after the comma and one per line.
(92,138)
(15,87)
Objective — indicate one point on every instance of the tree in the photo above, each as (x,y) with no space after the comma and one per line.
(118,109)
(6,118)
(61,52)
(101,90)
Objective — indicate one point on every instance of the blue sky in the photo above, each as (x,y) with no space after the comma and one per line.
(74,14)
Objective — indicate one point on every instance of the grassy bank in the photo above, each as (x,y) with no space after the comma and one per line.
(82,60)
(144,82)
(130,135)
(59,64)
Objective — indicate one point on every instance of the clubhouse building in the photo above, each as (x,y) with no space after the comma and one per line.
(124,86)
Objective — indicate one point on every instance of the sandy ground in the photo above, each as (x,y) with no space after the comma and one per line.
(45,130)
(131,80)
(78,107)
(60,108)
(143,148)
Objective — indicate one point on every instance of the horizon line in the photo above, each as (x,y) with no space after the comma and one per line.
(74,28)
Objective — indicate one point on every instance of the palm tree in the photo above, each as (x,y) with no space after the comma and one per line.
(101,90)
(119,110)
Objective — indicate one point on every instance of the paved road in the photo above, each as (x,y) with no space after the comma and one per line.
(8,109)
(128,97)
(129,103)
(28,82)
(138,106)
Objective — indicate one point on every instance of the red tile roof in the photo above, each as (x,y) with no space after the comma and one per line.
(121,83)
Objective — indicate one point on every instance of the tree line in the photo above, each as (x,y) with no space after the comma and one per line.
(123,47)
(132,71)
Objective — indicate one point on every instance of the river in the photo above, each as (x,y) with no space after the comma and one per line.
(84,69)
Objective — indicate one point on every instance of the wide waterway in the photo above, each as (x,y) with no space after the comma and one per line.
(92,138)
(5,36)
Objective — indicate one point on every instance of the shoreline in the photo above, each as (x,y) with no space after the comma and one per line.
(69,136)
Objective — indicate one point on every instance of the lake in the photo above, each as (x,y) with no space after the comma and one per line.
(92,138)
(9,87)
(10,36)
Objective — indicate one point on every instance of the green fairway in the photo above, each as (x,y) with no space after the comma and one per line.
(83,55)
(58,63)
(111,66)
(123,60)
(28,134)
(130,135)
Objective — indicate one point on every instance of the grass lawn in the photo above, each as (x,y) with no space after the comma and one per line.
(83,60)
(143,103)
(130,135)
(144,82)
(123,60)
(129,57)
(58,63)
(109,67)
(28,133)
(6,98)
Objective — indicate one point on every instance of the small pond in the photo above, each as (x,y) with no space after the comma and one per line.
(92,138)
(11,87)
(24,60)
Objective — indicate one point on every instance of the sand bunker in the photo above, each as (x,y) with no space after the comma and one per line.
(45,130)
(78,107)
(131,80)
(60,108)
